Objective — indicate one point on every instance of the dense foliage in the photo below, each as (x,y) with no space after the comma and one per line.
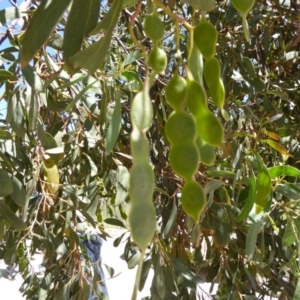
(176,119)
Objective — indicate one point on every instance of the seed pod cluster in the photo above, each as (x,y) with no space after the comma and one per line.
(208,126)
(205,39)
(142,216)
(154,29)
(184,155)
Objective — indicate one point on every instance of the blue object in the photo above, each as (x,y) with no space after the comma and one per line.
(93,250)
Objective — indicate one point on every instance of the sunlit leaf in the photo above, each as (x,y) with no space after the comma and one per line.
(33,79)
(251,239)
(92,57)
(114,126)
(278,171)
(277,147)
(6,187)
(82,19)
(10,217)
(40,27)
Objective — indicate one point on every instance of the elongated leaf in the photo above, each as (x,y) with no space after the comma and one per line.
(115,222)
(263,185)
(40,27)
(249,201)
(290,233)
(93,167)
(212,186)
(114,126)
(79,96)
(6,187)
(272,135)
(5,135)
(171,222)
(51,174)
(288,191)
(82,19)
(19,193)
(130,58)
(92,57)
(18,121)
(216,173)
(297,291)
(11,218)
(122,185)
(33,79)
(9,14)
(32,108)
(248,66)
(6,75)
(251,239)
(278,147)
(279,171)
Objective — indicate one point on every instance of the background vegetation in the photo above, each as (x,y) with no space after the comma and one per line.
(84,139)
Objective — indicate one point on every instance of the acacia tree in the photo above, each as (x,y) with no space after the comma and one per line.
(176,119)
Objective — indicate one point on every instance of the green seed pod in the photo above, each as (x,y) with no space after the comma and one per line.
(195,64)
(217,93)
(196,98)
(184,159)
(141,182)
(206,151)
(243,6)
(158,60)
(176,91)
(142,111)
(142,221)
(210,129)
(154,27)
(193,199)
(180,127)
(205,38)
(212,72)
(139,146)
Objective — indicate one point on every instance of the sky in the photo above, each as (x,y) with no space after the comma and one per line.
(4,4)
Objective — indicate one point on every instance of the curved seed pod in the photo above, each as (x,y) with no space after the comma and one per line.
(205,38)
(206,151)
(208,125)
(154,27)
(139,146)
(210,129)
(158,60)
(243,6)
(180,127)
(51,174)
(212,72)
(218,94)
(142,111)
(184,159)
(141,182)
(193,199)
(142,221)
(263,185)
(195,65)
(176,91)
(196,100)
